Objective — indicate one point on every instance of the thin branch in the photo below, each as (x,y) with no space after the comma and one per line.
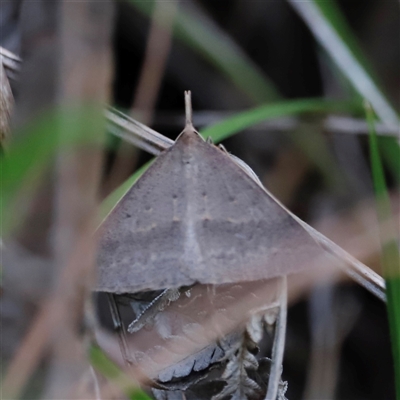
(354,268)
(84,76)
(348,125)
(136,133)
(153,68)
(6,106)
(120,329)
(11,63)
(279,344)
(157,51)
(332,123)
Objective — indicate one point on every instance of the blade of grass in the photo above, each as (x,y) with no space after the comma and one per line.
(113,199)
(27,157)
(390,148)
(194,28)
(329,27)
(111,371)
(311,143)
(324,30)
(246,119)
(389,242)
(332,12)
(391,151)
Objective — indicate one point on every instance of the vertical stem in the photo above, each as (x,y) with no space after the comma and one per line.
(188,108)
(389,242)
(278,348)
(6,106)
(84,81)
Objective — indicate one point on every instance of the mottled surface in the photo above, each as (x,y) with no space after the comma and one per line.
(189,334)
(196,216)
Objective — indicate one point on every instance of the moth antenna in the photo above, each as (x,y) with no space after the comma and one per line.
(188,108)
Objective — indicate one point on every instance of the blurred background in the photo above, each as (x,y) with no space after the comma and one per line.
(235,55)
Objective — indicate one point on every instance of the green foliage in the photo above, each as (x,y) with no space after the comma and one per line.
(34,147)
(390,250)
(332,13)
(390,149)
(311,143)
(213,45)
(375,95)
(112,200)
(246,119)
(62,129)
(111,371)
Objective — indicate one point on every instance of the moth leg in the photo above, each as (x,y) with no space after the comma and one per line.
(163,300)
(120,329)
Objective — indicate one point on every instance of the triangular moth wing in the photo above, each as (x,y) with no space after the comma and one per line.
(196,216)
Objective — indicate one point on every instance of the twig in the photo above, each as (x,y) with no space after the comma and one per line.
(136,133)
(119,328)
(85,76)
(332,123)
(279,344)
(157,50)
(6,106)
(156,56)
(11,63)
(348,125)
(355,269)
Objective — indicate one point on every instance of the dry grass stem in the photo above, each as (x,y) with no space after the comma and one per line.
(156,56)
(6,106)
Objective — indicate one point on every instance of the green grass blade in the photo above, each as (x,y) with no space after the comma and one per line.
(390,250)
(333,33)
(311,143)
(111,371)
(333,14)
(246,119)
(196,30)
(391,151)
(113,198)
(324,21)
(35,145)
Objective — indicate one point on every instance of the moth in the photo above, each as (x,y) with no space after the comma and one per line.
(198,216)
(197,219)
